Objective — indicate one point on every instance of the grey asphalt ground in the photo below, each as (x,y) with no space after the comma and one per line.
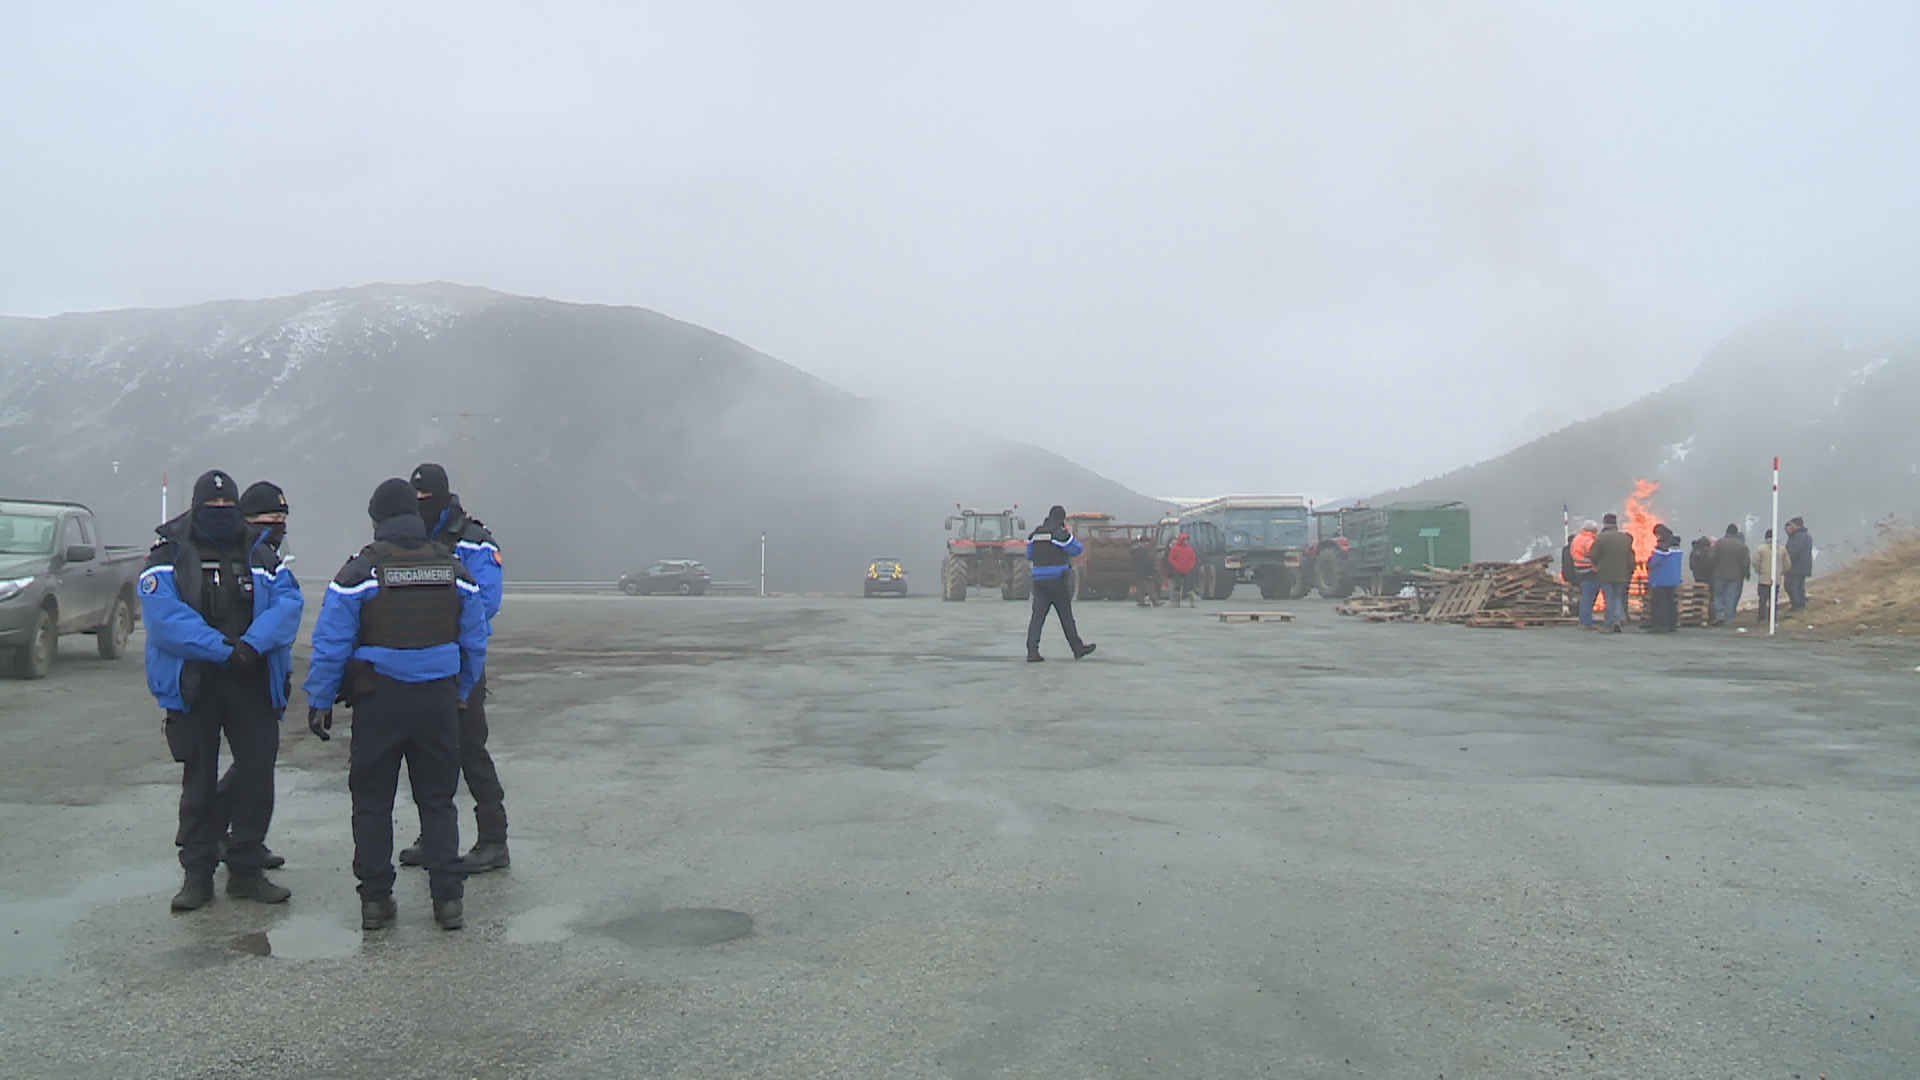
(836,837)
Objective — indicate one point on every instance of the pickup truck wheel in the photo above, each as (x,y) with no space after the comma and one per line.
(34,659)
(111,639)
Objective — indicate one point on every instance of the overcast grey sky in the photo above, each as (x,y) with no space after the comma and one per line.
(1194,247)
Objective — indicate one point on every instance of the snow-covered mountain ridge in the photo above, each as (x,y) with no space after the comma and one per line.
(592,439)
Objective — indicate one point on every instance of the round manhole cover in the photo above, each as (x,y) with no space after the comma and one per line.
(680,926)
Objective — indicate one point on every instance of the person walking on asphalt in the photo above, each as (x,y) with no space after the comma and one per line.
(466,539)
(1580,548)
(1731,565)
(1799,562)
(1051,548)
(1181,561)
(1148,581)
(1613,565)
(404,626)
(1665,570)
(264,506)
(220,613)
(1764,585)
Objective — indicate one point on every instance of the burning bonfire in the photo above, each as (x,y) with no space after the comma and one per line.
(1637,521)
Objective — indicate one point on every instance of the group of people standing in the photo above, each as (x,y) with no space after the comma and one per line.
(401,638)
(1601,560)
(1178,564)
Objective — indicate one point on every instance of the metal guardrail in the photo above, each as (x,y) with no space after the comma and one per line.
(591,587)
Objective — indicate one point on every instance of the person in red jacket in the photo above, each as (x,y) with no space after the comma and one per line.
(1180,563)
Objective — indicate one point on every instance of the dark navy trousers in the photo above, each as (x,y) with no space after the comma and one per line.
(483,780)
(235,704)
(418,723)
(1055,594)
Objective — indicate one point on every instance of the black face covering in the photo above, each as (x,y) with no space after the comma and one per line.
(274,532)
(220,524)
(432,506)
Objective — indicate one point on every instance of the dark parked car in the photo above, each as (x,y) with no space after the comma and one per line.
(886,576)
(683,576)
(56,577)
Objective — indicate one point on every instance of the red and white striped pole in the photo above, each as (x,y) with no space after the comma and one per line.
(1773,553)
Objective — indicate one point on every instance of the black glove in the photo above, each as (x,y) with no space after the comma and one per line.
(320,722)
(244,655)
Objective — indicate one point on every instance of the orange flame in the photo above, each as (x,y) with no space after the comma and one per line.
(1637,522)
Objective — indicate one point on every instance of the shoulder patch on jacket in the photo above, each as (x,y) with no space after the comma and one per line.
(163,553)
(357,571)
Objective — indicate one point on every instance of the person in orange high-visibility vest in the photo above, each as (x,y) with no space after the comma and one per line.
(1582,549)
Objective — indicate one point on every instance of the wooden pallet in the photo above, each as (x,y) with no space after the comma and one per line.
(1460,599)
(1256,616)
(1518,622)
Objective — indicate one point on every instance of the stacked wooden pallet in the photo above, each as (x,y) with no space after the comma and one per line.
(1380,608)
(1502,594)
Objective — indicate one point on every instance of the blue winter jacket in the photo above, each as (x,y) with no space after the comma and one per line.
(1665,567)
(474,546)
(177,634)
(336,633)
(1049,555)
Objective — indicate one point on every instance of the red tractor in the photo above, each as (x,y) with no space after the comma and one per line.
(988,551)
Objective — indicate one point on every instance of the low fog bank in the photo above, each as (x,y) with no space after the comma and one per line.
(591,439)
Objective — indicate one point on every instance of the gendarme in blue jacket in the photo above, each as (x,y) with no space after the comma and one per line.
(177,634)
(1666,567)
(1050,551)
(474,546)
(336,633)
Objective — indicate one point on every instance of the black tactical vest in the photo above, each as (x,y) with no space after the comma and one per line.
(225,597)
(417,605)
(1045,551)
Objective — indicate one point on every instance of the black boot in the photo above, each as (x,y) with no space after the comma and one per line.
(412,856)
(378,914)
(1084,650)
(256,887)
(195,892)
(485,856)
(269,862)
(449,914)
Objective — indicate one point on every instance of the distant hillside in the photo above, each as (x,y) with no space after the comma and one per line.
(1834,394)
(600,437)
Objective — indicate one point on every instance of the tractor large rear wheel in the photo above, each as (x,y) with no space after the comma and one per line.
(953,579)
(1019,580)
(1330,575)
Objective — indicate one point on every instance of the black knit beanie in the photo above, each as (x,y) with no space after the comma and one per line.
(214,484)
(393,498)
(263,497)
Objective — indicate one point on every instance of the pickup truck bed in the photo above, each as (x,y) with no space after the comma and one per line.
(56,577)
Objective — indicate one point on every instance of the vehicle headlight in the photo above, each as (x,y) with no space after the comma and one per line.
(14,587)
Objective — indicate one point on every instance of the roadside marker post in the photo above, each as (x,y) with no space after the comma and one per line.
(1773,553)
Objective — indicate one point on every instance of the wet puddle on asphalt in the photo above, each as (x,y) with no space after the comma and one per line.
(674,927)
(300,937)
(677,926)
